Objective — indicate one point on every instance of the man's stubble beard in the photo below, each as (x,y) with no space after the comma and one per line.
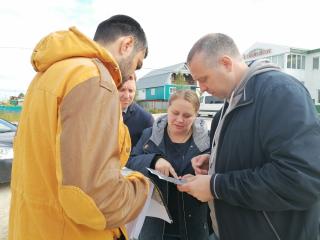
(125,65)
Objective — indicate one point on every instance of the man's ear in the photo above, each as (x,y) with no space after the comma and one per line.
(126,45)
(227,62)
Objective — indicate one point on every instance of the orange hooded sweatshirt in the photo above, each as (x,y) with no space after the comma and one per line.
(70,146)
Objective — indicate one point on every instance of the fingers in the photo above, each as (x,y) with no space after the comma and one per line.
(198,187)
(165,168)
(173,172)
(184,187)
(199,171)
(200,164)
(188,177)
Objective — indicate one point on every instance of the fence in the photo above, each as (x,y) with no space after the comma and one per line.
(5,108)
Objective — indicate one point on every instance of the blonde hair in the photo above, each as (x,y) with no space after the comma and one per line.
(188,95)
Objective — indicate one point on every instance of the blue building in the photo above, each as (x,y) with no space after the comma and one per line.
(155,88)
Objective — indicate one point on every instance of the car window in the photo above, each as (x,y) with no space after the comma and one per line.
(209,99)
(212,99)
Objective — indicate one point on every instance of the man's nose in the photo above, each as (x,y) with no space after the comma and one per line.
(126,94)
(203,88)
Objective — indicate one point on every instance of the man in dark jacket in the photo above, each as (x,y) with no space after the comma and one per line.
(135,117)
(262,178)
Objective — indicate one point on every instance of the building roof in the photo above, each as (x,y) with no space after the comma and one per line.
(259,49)
(161,77)
(314,51)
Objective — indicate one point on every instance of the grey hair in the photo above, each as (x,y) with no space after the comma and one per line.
(214,45)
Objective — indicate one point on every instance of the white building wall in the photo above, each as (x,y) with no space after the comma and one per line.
(300,74)
(141,94)
(313,76)
(308,76)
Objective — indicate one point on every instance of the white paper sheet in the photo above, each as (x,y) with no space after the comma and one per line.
(153,207)
(168,179)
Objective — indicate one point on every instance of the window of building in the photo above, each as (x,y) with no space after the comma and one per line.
(318,95)
(315,65)
(289,61)
(298,61)
(277,60)
(303,62)
(153,91)
(294,61)
(172,90)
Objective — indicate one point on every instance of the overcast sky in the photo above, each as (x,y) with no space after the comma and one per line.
(171,26)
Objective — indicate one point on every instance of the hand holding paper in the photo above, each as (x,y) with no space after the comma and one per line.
(168,179)
(154,207)
(165,168)
(197,186)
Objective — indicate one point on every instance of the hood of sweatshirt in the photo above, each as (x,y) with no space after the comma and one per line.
(257,67)
(61,45)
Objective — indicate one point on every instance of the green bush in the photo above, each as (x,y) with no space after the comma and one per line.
(10,116)
(318,108)
(153,111)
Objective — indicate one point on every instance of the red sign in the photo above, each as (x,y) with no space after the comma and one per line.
(257,52)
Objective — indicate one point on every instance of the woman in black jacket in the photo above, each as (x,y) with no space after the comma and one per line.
(169,147)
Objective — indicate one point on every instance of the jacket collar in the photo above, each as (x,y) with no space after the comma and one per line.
(200,132)
(244,91)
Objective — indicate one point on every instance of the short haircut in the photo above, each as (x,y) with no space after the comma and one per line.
(213,46)
(188,95)
(132,77)
(117,26)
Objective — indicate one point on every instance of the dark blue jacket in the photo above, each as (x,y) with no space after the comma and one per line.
(137,119)
(192,213)
(268,163)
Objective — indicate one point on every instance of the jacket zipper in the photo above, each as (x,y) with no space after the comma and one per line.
(271,225)
(184,216)
(164,224)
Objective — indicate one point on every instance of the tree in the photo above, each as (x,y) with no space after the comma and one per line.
(179,79)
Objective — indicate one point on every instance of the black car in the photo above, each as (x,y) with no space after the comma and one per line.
(7,132)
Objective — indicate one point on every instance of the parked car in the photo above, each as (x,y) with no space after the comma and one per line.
(7,132)
(209,104)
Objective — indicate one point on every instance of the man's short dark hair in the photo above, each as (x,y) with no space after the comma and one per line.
(118,26)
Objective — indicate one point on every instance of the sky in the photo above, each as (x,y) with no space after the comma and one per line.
(171,26)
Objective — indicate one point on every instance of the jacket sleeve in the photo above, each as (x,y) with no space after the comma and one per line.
(139,159)
(289,136)
(92,190)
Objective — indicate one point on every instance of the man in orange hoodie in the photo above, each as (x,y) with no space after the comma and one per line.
(72,143)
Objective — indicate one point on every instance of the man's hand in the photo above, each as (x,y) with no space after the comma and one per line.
(197,186)
(164,167)
(200,164)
